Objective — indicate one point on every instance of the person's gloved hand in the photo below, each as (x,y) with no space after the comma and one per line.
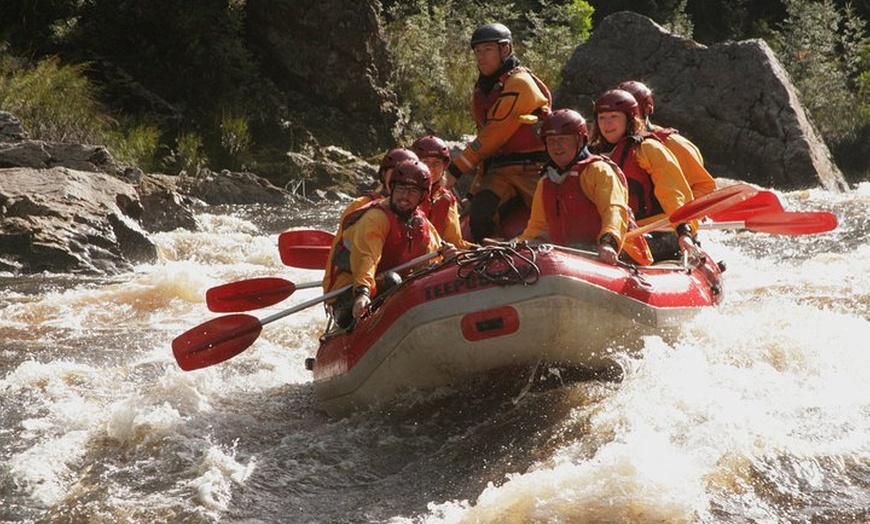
(607,250)
(607,254)
(362,302)
(686,241)
(448,251)
(361,306)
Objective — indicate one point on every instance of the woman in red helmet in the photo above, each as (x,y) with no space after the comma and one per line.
(442,208)
(581,198)
(656,184)
(381,235)
(687,153)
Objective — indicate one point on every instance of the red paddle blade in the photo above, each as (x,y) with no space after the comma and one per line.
(714,202)
(793,223)
(761,203)
(305,237)
(305,257)
(215,341)
(246,295)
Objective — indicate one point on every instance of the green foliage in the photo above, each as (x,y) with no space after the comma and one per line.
(188,157)
(235,137)
(434,66)
(679,22)
(34,25)
(135,146)
(554,33)
(54,102)
(823,62)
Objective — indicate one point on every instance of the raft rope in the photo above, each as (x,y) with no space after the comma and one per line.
(502,264)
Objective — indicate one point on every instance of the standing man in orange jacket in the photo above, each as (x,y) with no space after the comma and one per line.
(506,149)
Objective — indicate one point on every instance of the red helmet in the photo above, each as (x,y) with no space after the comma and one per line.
(565,122)
(412,173)
(394,157)
(641,93)
(429,145)
(617,100)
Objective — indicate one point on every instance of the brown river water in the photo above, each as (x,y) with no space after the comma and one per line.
(758,412)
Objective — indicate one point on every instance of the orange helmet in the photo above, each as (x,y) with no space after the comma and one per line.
(641,93)
(565,122)
(412,173)
(619,101)
(394,157)
(431,146)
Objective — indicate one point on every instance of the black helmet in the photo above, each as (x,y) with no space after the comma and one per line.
(491,33)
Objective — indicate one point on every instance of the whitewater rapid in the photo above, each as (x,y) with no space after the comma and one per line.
(758,412)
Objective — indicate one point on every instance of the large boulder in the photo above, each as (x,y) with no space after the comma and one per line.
(68,221)
(733,99)
(330,59)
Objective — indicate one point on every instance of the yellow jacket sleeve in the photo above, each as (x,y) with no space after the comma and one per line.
(453,229)
(520,96)
(671,188)
(692,163)
(536,227)
(367,237)
(602,185)
(359,202)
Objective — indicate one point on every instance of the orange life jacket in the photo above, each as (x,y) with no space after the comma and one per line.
(525,139)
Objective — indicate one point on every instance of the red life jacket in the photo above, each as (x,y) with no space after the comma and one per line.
(525,139)
(572,217)
(439,209)
(662,133)
(406,240)
(641,191)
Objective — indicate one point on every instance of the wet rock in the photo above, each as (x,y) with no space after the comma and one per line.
(63,220)
(330,60)
(227,188)
(733,99)
(164,208)
(10,128)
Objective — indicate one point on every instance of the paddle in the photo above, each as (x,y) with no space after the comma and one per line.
(714,202)
(305,257)
(305,237)
(782,223)
(254,293)
(224,337)
(763,202)
(305,248)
